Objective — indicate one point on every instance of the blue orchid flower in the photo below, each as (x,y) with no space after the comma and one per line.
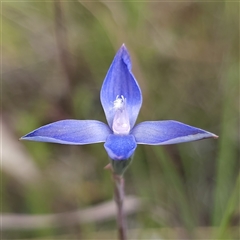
(121,100)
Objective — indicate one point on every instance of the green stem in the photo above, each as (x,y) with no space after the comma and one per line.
(229,210)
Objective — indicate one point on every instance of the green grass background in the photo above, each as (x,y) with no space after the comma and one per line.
(185,56)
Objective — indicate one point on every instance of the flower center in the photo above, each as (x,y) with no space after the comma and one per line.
(121,123)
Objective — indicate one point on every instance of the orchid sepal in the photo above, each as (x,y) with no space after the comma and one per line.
(120,82)
(74,132)
(168,132)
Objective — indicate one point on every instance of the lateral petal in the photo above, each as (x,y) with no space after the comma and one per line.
(167,132)
(74,132)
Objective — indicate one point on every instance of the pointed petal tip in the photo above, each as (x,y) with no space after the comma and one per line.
(123,46)
(205,135)
(23,137)
(211,135)
(208,135)
(124,52)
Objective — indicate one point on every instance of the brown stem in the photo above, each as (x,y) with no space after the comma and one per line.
(64,55)
(119,197)
(62,42)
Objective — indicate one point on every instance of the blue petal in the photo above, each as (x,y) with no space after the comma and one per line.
(120,81)
(75,132)
(167,132)
(120,147)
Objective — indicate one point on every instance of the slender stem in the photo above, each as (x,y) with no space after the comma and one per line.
(62,42)
(65,58)
(119,197)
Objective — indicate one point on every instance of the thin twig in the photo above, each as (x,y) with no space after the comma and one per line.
(119,197)
(64,55)
(62,42)
(102,212)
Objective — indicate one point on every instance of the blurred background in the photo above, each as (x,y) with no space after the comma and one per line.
(55,56)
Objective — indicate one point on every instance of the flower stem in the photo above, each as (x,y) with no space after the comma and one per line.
(119,197)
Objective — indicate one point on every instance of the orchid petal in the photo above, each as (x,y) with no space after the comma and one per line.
(120,147)
(120,82)
(167,132)
(74,132)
